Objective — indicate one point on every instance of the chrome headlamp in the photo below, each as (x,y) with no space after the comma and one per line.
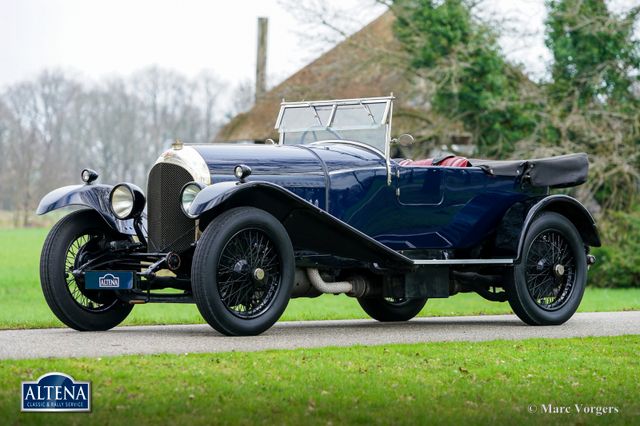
(188,194)
(126,201)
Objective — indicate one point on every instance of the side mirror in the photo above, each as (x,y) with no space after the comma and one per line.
(404,139)
(269,142)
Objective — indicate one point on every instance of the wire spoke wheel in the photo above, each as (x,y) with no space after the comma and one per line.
(79,252)
(550,270)
(243,271)
(549,281)
(248,273)
(76,239)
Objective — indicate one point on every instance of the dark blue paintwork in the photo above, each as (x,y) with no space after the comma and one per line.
(95,196)
(423,207)
(229,191)
(569,207)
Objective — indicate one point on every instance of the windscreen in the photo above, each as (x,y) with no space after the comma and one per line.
(364,122)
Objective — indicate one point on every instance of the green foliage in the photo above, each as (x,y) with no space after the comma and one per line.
(442,29)
(618,261)
(591,104)
(593,50)
(475,84)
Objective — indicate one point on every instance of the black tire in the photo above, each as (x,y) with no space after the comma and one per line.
(224,274)
(549,282)
(80,309)
(389,310)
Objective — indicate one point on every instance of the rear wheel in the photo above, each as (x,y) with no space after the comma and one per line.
(549,282)
(392,309)
(243,271)
(73,241)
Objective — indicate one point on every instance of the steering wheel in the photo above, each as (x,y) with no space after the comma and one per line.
(317,128)
(363,146)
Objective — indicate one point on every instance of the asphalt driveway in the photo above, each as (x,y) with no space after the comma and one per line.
(176,339)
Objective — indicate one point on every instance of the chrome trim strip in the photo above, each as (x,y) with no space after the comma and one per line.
(385,114)
(279,119)
(332,116)
(463,261)
(387,142)
(339,101)
(356,169)
(325,171)
(335,103)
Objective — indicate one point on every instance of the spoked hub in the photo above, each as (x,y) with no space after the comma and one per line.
(551,270)
(81,250)
(80,237)
(248,273)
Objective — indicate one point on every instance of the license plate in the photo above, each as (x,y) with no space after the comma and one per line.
(108,280)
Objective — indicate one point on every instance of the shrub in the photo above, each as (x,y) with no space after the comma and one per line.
(618,260)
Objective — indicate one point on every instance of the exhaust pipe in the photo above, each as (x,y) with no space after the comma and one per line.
(356,286)
(325,287)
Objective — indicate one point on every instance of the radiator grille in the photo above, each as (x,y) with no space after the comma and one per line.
(168,228)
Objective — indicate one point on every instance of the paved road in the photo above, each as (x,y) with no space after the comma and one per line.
(57,342)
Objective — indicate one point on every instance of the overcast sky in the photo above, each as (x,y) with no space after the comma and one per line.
(97,38)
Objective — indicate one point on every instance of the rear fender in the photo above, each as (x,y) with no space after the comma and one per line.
(94,196)
(518,220)
(308,226)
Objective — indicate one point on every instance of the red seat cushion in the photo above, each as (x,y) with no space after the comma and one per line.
(427,162)
(455,162)
(452,161)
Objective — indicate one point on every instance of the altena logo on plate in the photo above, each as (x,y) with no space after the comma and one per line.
(108,281)
(56,392)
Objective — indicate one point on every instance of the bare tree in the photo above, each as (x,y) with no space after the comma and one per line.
(53,126)
(208,89)
(326,25)
(241,98)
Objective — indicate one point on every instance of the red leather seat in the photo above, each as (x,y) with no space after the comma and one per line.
(450,161)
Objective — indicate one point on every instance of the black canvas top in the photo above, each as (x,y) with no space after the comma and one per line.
(562,171)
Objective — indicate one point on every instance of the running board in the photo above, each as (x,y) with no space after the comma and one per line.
(463,261)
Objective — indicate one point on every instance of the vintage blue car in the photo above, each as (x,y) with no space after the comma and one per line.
(240,229)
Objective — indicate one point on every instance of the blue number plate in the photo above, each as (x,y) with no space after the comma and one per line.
(108,280)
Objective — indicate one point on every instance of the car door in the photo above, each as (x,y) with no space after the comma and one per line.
(449,207)
(420,186)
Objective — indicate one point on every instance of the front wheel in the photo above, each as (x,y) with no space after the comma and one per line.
(392,309)
(549,282)
(73,241)
(243,271)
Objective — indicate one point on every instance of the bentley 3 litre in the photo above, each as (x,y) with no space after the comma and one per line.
(240,229)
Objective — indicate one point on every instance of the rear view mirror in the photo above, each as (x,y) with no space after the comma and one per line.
(404,140)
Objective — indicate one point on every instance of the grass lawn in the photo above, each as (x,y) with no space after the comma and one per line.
(22,303)
(454,383)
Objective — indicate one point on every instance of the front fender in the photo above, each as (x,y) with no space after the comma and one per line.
(572,210)
(94,196)
(309,227)
(214,195)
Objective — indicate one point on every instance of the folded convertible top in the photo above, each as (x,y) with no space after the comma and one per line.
(556,172)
